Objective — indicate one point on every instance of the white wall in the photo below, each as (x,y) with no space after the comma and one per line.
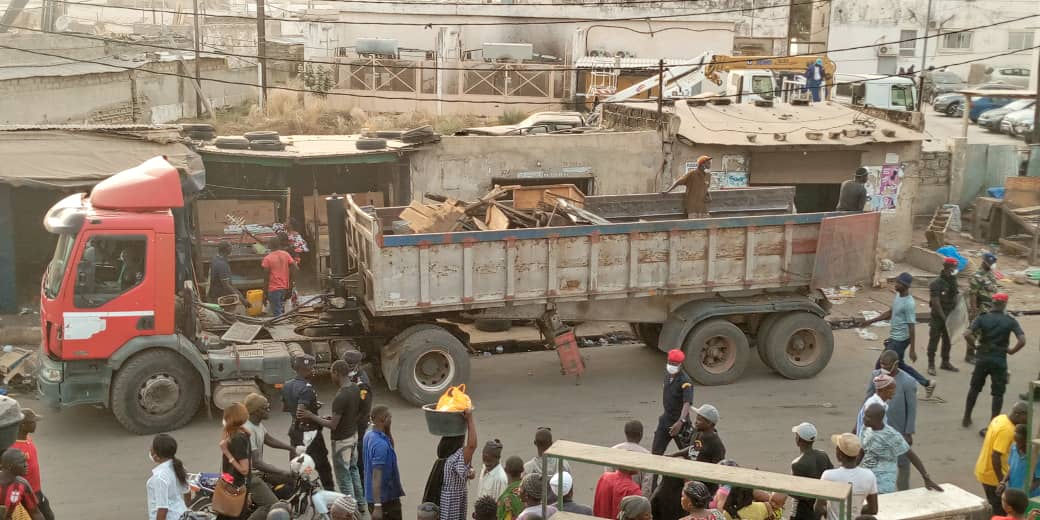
(673,38)
(856,23)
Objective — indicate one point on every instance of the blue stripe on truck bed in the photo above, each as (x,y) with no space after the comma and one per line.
(605,229)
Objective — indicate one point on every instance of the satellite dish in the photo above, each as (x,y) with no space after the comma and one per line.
(62,23)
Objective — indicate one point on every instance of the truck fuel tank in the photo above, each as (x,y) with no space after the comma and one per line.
(270,362)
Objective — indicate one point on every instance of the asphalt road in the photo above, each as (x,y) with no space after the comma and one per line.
(937,127)
(92,468)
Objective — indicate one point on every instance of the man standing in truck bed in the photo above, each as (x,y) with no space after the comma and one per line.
(697,182)
(278,265)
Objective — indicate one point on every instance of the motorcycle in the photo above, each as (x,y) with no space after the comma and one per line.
(306,497)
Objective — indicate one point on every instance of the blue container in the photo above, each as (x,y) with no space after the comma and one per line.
(996,192)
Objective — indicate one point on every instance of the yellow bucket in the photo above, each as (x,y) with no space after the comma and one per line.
(255,300)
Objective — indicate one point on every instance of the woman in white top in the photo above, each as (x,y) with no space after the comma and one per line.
(168,492)
(884,391)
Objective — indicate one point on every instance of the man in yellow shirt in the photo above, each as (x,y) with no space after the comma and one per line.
(993,459)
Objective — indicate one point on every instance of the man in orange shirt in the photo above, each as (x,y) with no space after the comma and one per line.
(611,488)
(278,265)
(32,474)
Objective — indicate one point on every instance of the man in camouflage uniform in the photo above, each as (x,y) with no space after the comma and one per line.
(980,294)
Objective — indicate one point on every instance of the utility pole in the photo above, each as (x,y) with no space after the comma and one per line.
(1036,107)
(261,51)
(198,75)
(660,88)
(924,54)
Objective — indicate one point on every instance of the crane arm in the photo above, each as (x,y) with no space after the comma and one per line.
(671,75)
(721,63)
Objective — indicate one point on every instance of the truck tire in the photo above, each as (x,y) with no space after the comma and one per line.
(800,344)
(648,333)
(261,135)
(371,143)
(493,325)
(432,359)
(761,340)
(717,352)
(155,391)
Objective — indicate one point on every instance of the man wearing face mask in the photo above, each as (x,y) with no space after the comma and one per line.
(678,396)
(980,294)
(360,378)
(943,296)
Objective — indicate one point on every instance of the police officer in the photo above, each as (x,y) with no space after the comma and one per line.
(299,394)
(942,299)
(360,378)
(678,396)
(994,330)
(981,289)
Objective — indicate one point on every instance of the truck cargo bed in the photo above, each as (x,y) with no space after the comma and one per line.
(633,258)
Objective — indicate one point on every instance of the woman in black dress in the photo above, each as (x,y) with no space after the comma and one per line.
(234,447)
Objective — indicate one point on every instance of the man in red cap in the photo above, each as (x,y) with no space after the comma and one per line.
(697,182)
(678,396)
(993,330)
(943,295)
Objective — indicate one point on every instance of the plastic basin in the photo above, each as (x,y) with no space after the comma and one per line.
(444,424)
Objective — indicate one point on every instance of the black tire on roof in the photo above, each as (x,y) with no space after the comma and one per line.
(232,143)
(261,135)
(269,145)
(371,143)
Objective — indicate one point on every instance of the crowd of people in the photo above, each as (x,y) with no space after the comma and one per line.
(874,457)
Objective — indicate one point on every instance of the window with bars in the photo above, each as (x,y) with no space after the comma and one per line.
(907,49)
(1019,40)
(959,41)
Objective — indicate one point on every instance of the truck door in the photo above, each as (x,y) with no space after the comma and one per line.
(113,296)
(846,250)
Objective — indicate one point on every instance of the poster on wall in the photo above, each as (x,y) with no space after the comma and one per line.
(883,183)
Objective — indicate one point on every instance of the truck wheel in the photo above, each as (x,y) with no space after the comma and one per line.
(800,345)
(761,341)
(648,333)
(432,360)
(717,352)
(156,391)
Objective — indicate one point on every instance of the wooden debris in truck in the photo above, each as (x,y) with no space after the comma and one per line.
(428,218)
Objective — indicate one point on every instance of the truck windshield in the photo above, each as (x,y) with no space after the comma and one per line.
(763,86)
(902,97)
(56,269)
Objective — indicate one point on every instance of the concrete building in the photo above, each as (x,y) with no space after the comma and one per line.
(852,23)
(814,148)
(110,84)
(420,65)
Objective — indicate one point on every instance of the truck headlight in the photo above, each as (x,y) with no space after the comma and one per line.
(50,371)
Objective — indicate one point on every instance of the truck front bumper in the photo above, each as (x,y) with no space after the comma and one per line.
(63,384)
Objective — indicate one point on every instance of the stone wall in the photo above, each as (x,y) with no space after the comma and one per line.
(933,177)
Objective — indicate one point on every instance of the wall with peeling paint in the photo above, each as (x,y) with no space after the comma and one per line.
(463,166)
(856,23)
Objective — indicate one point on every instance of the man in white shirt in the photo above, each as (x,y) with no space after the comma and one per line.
(543,440)
(862,480)
(493,479)
(633,436)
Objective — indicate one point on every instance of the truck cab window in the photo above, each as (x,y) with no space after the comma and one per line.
(109,266)
(901,97)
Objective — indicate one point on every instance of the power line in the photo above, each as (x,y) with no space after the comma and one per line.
(735,60)
(392,98)
(429,25)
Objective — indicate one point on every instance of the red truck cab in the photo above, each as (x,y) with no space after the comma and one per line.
(109,291)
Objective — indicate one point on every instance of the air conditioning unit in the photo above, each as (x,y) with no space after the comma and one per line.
(508,51)
(887,50)
(376,47)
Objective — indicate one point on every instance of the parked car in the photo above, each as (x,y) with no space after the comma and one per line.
(938,82)
(1020,122)
(992,119)
(948,103)
(1013,75)
(537,123)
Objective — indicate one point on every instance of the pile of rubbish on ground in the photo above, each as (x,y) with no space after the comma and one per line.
(529,207)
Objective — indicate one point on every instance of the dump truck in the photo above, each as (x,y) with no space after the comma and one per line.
(124,328)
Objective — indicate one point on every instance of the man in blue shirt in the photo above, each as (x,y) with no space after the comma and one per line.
(383,488)
(903,317)
(1018,465)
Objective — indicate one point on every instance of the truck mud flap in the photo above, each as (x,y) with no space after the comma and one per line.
(846,250)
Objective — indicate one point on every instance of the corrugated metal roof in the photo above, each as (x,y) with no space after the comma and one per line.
(605,62)
(733,124)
